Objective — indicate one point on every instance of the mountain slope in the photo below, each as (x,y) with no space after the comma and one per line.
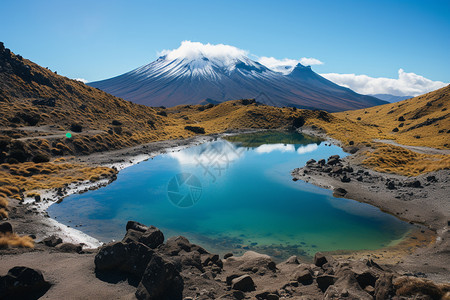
(394,137)
(194,75)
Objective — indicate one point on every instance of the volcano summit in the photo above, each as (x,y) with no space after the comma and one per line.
(198,73)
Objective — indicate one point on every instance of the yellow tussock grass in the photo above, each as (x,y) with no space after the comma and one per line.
(3,213)
(14,240)
(394,159)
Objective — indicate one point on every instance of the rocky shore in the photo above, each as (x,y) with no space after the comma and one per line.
(420,200)
(143,266)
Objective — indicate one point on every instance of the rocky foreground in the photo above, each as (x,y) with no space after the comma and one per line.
(177,269)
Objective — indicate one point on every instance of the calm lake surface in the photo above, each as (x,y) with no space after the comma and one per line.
(234,195)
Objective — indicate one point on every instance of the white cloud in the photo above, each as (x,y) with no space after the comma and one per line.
(81,79)
(194,50)
(407,84)
(267,148)
(307,148)
(286,65)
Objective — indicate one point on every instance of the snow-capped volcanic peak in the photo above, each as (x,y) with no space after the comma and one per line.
(206,60)
(194,72)
(201,54)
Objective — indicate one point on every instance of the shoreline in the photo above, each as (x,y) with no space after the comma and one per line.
(123,158)
(426,206)
(42,225)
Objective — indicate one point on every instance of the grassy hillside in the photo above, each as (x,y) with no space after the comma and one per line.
(420,121)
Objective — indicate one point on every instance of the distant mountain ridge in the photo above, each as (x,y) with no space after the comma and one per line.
(390,98)
(191,77)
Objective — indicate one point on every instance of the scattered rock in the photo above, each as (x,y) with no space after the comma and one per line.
(152,238)
(243,283)
(310,162)
(23,283)
(226,255)
(69,247)
(366,278)
(174,245)
(6,227)
(52,241)
(132,236)
(130,258)
(345,179)
(136,226)
(339,192)
(293,260)
(267,295)
(336,170)
(320,259)
(304,276)
(413,183)
(161,280)
(390,185)
(324,281)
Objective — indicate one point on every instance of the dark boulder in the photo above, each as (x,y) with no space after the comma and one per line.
(413,183)
(152,238)
(324,281)
(268,295)
(230,278)
(431,178)
(243,283)
(320,259)
(345,179)
(310,162)
(52,241)
(161,280)
(384,288)
(191,259)
(136,226)
(195,129)
(6,227)
(130,258)
(174,245)
(321,162)
(339,192)
(226,255)
(366,278)
(348,169)
(132,236)
(304,276)
(110,256)
(390,185)
(293,260)
(333,161)
(69,248)
(336,170)
(23,283)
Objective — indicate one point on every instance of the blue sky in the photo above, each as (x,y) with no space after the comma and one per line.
(100,39)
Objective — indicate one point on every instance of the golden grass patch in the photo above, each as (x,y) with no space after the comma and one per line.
(395,159)
(3,213)
(14,240)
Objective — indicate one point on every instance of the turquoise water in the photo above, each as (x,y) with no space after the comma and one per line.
(234,196)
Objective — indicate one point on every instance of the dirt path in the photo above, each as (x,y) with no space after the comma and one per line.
(419,149)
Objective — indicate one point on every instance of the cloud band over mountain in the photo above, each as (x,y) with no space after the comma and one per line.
(406,83)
